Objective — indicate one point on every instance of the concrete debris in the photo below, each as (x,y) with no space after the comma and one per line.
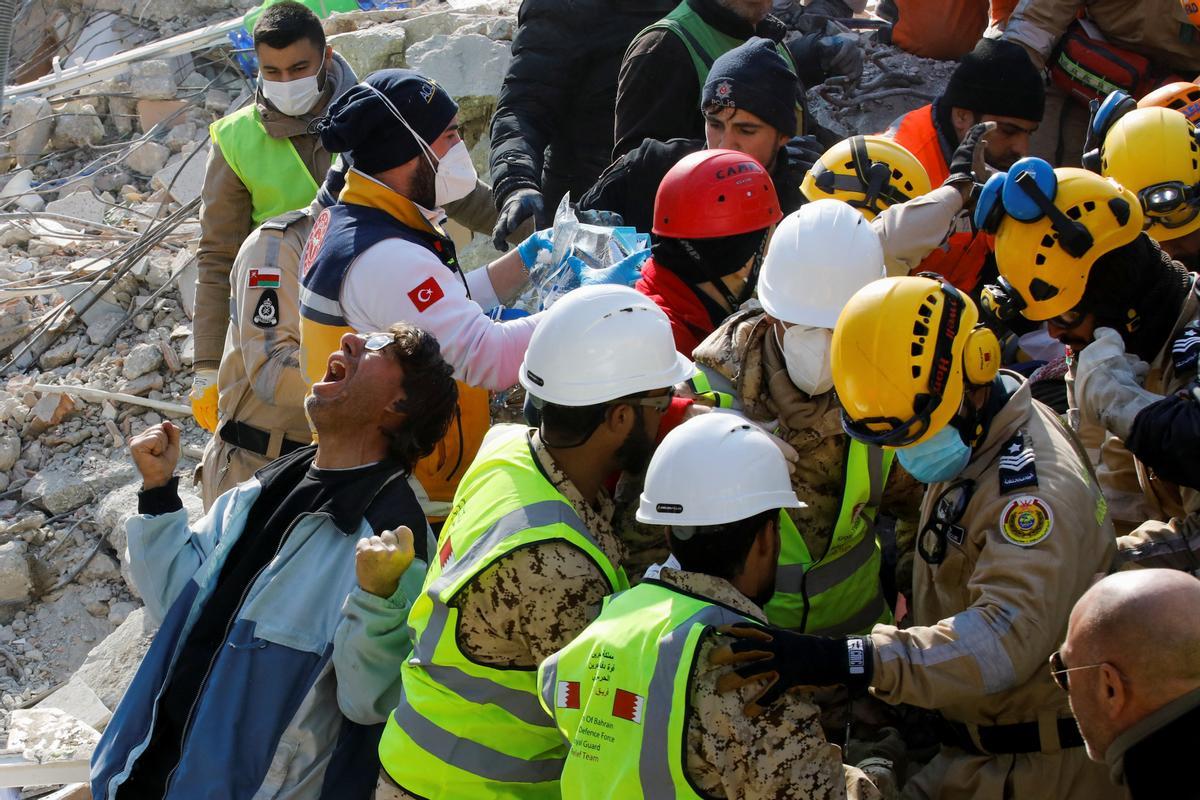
(47,734)
(145,357)
(148,158)
(183,176)
(371,49)
(57,491)
(466,65)
(81,205)
(30,124)
(78,125)
(152,80)
(16,582)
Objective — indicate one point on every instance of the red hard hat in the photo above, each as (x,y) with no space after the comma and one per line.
(715,193)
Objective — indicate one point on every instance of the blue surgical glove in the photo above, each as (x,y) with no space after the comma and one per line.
(624,273)
(538,242)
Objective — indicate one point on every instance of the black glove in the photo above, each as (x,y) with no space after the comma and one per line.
(803,152)
(589,216)
(968,167)
(519,206)
(788,661)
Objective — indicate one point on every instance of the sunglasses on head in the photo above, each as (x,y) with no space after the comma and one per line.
(378,341)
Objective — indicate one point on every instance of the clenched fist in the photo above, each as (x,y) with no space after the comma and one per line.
(155,453)
(380,561)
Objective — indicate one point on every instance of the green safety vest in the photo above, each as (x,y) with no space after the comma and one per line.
(705,44)
(270,168)
(619,693)
(839,592)
(463,729)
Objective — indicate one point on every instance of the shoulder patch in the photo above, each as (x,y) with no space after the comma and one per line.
(1185,351)
(426,293)
(1017,468)
(263,278)
(1026,520)
(266,313)
(316,238)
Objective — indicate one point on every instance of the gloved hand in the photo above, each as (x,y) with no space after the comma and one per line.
(536,242)
(517,207)
(204,399)
(788,661)
(1108,383)
(624,273)
(968,165)
(589,216)
(802,153)
(841,55)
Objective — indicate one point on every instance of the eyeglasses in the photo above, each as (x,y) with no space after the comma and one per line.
(378,341)
(1059,670)
(1068,320)
(948,509)
(659,403)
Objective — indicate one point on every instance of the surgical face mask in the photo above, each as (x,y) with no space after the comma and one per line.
(454,173)
(297,97)
(939,458)
(806,355)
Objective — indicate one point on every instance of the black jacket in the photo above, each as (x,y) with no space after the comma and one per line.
(658,96)
(628,187)
(1153,758)
(553,127)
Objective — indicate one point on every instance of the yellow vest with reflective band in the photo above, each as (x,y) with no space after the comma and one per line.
(705,44)
(838,593)
(619,693)
(271,170)
(463,729)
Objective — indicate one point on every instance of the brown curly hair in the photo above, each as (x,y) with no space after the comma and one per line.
(431,396)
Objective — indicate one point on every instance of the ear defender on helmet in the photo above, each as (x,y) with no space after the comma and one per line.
(1026,193)
(1104,114)
(981,356)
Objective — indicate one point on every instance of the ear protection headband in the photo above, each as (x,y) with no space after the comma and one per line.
(1026,193)
(1104,114)
(872,178)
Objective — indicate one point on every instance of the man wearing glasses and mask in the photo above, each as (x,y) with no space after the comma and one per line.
(1013,530)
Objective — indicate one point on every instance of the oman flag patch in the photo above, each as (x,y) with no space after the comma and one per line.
(264,278)
(568,694)
(628,705)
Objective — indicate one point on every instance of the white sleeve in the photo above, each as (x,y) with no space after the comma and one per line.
(479,283)
(398,281)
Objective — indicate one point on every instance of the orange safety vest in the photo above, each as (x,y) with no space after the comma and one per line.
(960,259)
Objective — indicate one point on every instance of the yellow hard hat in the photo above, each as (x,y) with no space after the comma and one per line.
(868,172)
(904,350)
(1154,153)
(1047,260)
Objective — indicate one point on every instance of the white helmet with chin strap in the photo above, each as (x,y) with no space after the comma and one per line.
(715,469)
(601,343)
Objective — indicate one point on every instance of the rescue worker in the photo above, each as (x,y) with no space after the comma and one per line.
(528,553)
(633,695)
(1014,529)
(380,255)
(712,215)
(772,364)
(263,163)
(747,106)
(261,390)
(1132,316)
(667,64)
(993,83)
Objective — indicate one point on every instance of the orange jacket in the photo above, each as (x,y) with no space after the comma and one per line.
(961,257)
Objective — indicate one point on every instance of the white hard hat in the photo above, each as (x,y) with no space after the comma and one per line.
(599,343)
(819,256)
(714,469)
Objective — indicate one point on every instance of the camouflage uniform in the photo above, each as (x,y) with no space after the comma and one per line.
(780,754)
(745,353)
(534,601)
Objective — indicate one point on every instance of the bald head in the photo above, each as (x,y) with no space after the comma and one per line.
(1145,623)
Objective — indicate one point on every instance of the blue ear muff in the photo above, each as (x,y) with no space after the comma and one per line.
(1017,203)
(989,207)
(1116,105)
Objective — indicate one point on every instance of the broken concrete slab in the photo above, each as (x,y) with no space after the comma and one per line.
(153,80)
(148,158)
(78,125)
(372,49)
(47,734)
(184,178)
(144,357)
(78,700)
(187,265)
(57,491)
(100,318)
(466,65)
(81,205)
(110,666)
(152,112)
(16,581)
(30,124)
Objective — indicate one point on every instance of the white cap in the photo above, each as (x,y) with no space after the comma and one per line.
(714,469)
(599,343)
(819,256)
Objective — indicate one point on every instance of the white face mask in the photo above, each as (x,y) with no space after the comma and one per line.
(806,354)
(297,97)
(454,172)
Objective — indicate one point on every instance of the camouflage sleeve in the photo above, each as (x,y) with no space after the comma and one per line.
(529,604)
(780,755)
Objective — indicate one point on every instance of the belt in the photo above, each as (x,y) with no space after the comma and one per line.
(248,437)
(1021,737)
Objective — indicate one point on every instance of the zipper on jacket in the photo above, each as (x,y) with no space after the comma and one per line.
(228,627)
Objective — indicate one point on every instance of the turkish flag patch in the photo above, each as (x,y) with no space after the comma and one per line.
(568,694)
(426,293)
(628,705)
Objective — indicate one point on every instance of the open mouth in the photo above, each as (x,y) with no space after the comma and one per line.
(336,373)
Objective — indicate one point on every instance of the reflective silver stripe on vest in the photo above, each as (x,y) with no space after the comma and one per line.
(322,307)
(822,577)
(549,685)
(654,768)
(869,614)
(471,756)
(521,705)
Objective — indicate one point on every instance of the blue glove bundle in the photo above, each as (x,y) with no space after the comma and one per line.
(624,273)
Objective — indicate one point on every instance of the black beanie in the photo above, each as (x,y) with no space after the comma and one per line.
(997,78)
(1137,290)
(361,124)
(754,77)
